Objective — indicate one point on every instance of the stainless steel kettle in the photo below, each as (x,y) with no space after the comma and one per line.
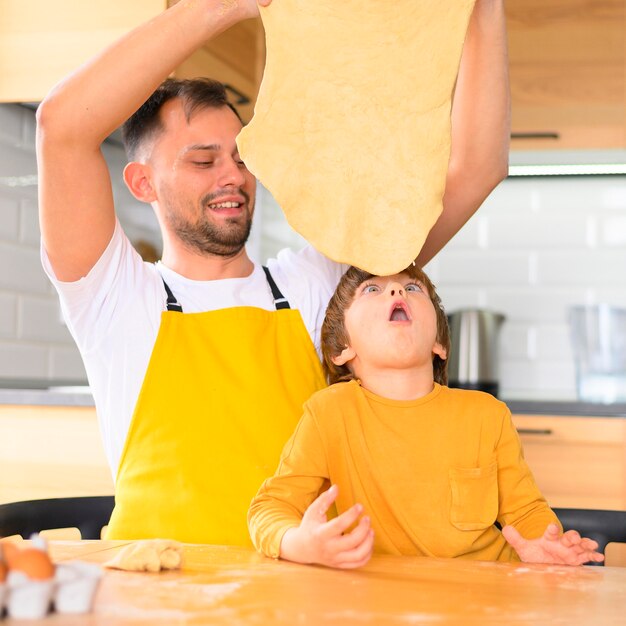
(474,349)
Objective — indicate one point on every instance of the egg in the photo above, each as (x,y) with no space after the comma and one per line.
(34,563)
(9,551)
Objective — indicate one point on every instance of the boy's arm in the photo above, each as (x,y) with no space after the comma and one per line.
(331,543)
(288,516)
(481,125)
(75,197)
(278,507)
(528,523)
(283,499)
(521,503)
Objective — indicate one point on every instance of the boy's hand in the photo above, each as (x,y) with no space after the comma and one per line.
(567,549)
(318,540)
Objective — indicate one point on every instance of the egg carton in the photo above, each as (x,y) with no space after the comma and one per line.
(34,586)
(71,590)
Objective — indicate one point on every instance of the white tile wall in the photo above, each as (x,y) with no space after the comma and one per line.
(8,316)
(536,247)
(9,218)
(24,360)
(21,269)
(11,128)
(34,342)
(557,227)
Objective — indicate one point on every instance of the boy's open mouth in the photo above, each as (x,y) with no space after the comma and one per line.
(399,313)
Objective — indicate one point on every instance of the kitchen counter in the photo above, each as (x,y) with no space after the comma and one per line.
(47,397)
(77,393)
(50,446)
(45,392)
(571,408)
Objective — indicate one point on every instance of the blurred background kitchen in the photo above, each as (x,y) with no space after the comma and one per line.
(551,237)
(539,245)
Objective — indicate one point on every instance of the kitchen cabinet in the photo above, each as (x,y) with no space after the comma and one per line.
(567,61)
(578,462)
(51,452)
(41,41)
(568,73)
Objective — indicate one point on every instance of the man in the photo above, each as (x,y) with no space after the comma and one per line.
(194,409)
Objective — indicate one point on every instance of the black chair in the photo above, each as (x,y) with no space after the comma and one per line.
(600,525)
(88,514)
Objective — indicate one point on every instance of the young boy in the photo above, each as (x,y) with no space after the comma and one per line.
(416,468)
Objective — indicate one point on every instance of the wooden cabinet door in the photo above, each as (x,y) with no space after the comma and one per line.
(42,41)
(567,63)
(578,462)
(51,452)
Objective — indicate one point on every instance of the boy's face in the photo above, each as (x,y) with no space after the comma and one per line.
(391,324)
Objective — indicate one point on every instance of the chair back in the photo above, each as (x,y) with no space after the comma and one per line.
(600,525)
(88,514)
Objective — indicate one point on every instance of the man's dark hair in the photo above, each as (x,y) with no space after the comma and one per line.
(195,93)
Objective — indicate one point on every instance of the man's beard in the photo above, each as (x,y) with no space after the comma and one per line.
(205,237)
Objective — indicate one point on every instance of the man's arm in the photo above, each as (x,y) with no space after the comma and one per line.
(481,125)
(75,197)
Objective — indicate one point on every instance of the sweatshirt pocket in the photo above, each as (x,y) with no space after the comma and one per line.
(474,503)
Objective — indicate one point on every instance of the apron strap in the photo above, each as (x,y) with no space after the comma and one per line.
(280,302)
(172,303)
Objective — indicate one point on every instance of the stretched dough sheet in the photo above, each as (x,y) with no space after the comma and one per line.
(351,129)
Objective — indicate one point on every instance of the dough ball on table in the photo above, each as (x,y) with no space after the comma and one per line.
(149,555)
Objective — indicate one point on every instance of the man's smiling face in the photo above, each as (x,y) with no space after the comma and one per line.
(205,194)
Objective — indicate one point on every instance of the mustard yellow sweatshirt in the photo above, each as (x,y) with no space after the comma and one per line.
(433,474)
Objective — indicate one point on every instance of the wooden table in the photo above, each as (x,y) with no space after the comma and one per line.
(234,586)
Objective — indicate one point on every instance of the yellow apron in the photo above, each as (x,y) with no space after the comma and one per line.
(222,394)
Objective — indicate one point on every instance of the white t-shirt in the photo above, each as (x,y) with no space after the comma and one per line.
(114,315)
